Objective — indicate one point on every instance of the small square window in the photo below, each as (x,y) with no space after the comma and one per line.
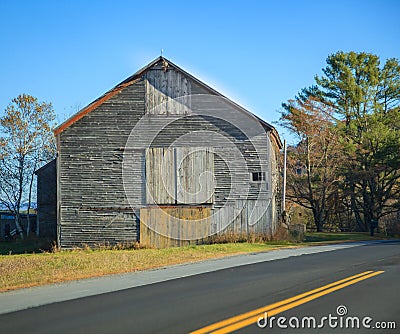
(258,176)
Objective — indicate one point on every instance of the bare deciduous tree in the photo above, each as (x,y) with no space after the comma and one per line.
(26,142)
(313,162)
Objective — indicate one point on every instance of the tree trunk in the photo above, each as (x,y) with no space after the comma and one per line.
(18,225)
(20,191)
(317,219)
(28,223)
(28,229)
(355,209)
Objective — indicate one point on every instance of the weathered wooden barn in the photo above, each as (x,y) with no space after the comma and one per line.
(166,160)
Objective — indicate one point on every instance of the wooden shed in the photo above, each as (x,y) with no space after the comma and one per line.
(164,159)
(47,200)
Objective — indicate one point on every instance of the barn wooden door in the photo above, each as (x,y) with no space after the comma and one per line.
(180,175)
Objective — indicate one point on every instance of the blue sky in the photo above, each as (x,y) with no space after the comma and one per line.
(258,53)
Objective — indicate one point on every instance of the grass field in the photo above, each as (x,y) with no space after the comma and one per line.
(342,236)
(26,270)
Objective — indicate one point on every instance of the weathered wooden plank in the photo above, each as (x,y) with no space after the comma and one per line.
(174,226)
(166,93)
(160,176)
(195,175)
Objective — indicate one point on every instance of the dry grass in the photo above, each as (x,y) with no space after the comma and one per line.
(27,270)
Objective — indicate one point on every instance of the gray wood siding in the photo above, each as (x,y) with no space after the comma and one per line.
(171,134)
(94,208)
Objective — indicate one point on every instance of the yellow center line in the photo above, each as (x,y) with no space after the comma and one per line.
(275,311)
(248,318)
(263,309)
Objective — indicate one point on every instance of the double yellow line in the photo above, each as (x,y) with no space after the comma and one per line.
(249,318)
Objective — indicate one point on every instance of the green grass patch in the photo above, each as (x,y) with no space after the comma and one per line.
(339,236)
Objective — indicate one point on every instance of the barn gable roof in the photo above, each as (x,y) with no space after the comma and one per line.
(44,167)
(135,78)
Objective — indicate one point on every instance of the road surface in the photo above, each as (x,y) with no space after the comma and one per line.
(362,281)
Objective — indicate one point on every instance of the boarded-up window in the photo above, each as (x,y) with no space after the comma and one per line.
(160,175)
(181,175)
(195,175)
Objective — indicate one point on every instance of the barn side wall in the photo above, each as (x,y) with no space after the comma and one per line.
(93,206)
(47,200)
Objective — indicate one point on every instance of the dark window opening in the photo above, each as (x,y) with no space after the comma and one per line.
(258,176)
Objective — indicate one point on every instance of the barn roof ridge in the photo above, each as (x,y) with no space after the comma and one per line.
(134,78)
(46,165)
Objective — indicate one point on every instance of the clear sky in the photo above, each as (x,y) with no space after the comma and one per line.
(258,53)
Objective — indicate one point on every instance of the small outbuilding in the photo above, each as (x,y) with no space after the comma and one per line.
(47,200)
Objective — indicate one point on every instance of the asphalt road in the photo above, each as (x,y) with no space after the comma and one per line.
(187,304)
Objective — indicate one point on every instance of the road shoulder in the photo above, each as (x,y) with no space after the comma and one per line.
(26,298)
